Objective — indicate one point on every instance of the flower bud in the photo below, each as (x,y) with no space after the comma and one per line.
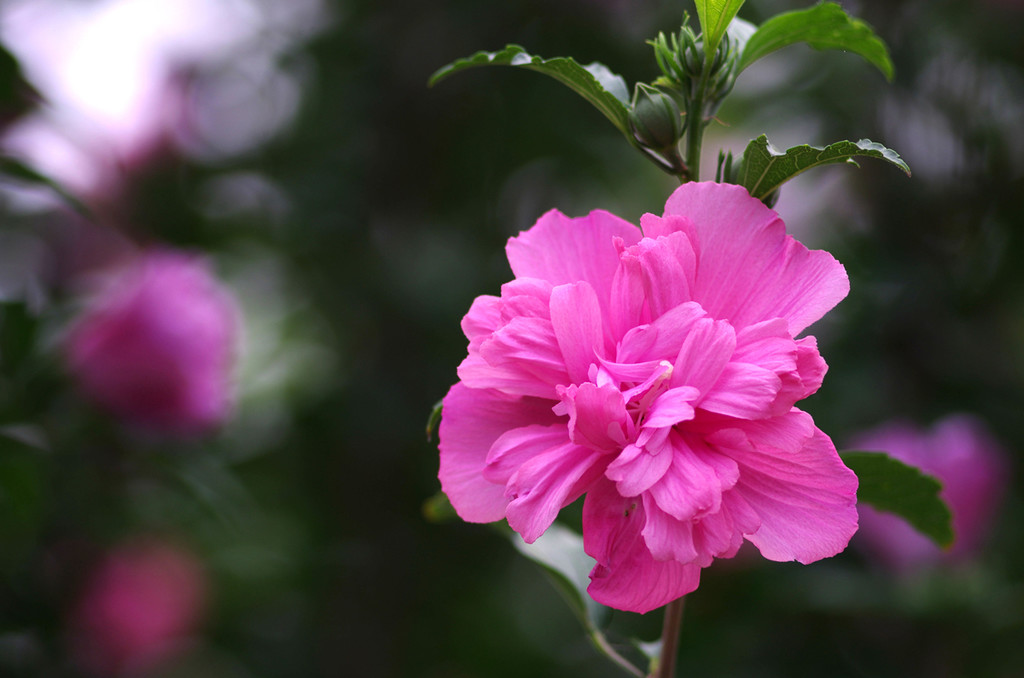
(655,118)
(156,346)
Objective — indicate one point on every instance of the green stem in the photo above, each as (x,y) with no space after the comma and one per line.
(602,644)
(670,640)
(695,125)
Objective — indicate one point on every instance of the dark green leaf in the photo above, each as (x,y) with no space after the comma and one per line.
(763,168)
(594,82)
(892,486)
(715,17)
(824,26)
(15,169)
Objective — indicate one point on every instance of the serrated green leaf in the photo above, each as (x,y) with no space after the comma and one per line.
(715,17)
(824,26)
(892,486)
(594,82)
(763,168)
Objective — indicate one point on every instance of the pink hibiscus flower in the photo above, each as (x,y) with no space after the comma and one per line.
(655,372)
(156,346)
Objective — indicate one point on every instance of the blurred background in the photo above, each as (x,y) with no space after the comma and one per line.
(353,214)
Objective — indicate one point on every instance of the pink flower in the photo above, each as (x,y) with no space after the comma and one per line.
(656,373)
(137,608)
(962,454)
(156,346)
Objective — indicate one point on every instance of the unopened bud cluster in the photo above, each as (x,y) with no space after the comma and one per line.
(686,69)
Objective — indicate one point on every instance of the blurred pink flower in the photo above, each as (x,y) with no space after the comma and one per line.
(963,455)
(156,346)
(137,609)
(655,372)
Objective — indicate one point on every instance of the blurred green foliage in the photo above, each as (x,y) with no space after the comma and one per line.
(393,203)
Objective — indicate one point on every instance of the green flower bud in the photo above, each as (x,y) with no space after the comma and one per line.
(655,119)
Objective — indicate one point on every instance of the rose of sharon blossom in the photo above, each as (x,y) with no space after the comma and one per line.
(137,608)
(961,453)
(157,345)
(655,372)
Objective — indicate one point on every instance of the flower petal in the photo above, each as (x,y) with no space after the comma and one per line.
(472,421)
(704,353)
(597,416)
(692,486)
(627,577)
(667,266)
(744,391)
(669,538)
(547,482)
(792,476)
(637,468)
(661,339)
(520,358)
(749,268)
(579,331)
(563,250)
(514,448)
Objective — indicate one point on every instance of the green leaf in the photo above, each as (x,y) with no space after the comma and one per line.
(892,486)
(824,26)
(594,82)
(12,168)
(764,168)
(715,17)
(560,551)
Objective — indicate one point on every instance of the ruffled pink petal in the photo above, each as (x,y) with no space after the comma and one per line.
(667,266)
(669,538)
(628,306)
(792,476)
(527,297)
(627,577)
(517,446)
(597,416)
(483,318)
(721,534)
(797,363)
(563,250)
(579,330)
(704,353)
(473,420)
(692,486)
(744,391)
(520,358)
(661,339)
(547,482)
(750,270)
(671,407)
(637,468)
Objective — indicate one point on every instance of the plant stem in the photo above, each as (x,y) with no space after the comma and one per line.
(670,639)
(602,644)
(695,129)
